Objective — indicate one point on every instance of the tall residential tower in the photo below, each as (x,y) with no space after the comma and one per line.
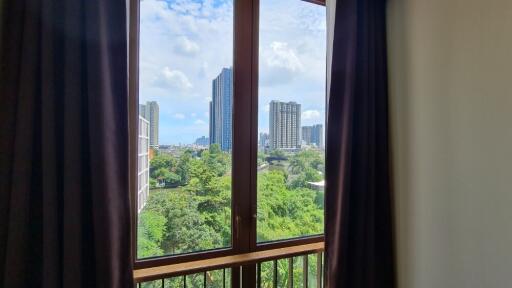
(150,112)
(221,110)
(284,125)
(313,135)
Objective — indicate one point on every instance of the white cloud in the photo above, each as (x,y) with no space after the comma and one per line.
(186,7)
(179,116)
(267,108)
(311,114)
(199,122)
(280,64)
(281,56)
(174,79)
(186,47)
(174,34)
(193,115)
(185,44)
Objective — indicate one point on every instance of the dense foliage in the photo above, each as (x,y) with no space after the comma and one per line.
(189,207)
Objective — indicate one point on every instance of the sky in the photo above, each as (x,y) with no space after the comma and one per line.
(184,44)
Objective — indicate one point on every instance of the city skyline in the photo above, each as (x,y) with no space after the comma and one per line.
(180,55)
(222,88)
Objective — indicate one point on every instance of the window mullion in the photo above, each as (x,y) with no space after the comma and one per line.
(244,133)
(244,125)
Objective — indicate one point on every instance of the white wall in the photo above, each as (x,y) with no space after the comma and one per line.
(451,106)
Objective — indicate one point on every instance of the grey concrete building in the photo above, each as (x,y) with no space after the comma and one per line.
(284,125)
(150,111)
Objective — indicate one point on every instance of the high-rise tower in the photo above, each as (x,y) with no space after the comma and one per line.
(284,126)
(221,110)
(150,112)
(313,135)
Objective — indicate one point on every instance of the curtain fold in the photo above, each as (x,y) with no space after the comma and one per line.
(359,230)
(64,200)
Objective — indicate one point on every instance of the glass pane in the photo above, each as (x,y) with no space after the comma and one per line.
(185,112)
(291,119)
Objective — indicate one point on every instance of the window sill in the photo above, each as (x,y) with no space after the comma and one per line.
(159,272)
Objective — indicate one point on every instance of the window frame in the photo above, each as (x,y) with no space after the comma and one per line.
(245,142)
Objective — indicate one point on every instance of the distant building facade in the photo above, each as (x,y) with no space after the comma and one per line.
(306,134)
(202,141)
(151,112)
(317,135)
(313,135)
(264,140)
(221,110)
(143,164)
(284,125)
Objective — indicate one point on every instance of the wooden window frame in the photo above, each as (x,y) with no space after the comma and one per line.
(244,152)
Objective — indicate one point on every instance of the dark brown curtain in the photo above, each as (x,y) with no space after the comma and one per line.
(359,246)
(64,201)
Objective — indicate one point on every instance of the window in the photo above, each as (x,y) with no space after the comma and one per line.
(291,119)
(185,110)
(230,129)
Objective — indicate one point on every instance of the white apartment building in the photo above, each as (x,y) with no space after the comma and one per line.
(284,129)
(151,112)
(143,164)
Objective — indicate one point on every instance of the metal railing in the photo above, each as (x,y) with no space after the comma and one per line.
(303,271)
(294,272)
(220,278)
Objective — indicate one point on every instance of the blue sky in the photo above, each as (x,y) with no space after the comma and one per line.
(185,44)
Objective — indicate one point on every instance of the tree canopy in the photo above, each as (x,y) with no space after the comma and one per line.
(193,211)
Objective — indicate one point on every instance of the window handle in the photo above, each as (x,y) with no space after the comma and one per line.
(237,219)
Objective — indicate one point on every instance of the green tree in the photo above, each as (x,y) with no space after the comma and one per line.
(197,216)
(283,212)
(162,169)
(183,167)
(165,176)
(212,191)
(306,159)
(307,175)
(261,158)
(185,231)
(165,161)
(152,183)
(150,231)
(215,148)
(277,153)
(216,161)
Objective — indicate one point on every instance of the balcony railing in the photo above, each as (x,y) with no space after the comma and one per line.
(290,267)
